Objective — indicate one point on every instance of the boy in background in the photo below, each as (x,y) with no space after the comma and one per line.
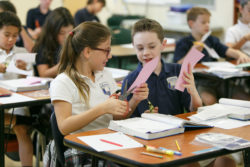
(89,12)
(10,27)
(198,20)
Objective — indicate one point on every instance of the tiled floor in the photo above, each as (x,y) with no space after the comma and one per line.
(11,163)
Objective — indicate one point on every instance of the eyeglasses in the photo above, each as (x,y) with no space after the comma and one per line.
(104,50)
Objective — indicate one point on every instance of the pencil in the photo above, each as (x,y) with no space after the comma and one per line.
(153,155)
(176,142)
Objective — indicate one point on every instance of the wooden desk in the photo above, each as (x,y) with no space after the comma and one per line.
(133,157)
(42,99)
(227,92)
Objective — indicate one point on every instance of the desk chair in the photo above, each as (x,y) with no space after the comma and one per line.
(58,138)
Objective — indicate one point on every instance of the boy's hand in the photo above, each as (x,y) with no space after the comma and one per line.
(21,64)
(242,58)
(2,68)
(141,93)
(189,79)
(155,110)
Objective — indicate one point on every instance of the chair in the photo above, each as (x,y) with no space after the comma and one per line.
(58,138)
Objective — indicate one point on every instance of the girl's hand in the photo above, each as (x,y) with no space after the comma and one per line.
(242,58)
(116,107)
(141,93)
(189,79)
(21,64)
(2,68)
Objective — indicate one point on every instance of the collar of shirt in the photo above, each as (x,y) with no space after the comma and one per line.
(243,25)
(3,52)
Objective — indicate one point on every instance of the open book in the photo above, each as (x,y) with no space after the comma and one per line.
(152,125)
(25,84)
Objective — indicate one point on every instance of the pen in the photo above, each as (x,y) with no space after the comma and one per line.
(175,152)
(176,142)
(153,149)
(110,142)
(153,155)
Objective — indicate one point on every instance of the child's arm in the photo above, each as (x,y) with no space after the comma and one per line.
(190,85)
(27,41)
(2,68)
(141,93)
(238,55)
(68,123)
(45,71)
(239,43)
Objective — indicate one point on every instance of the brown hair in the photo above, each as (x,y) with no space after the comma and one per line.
(150,26)
(194,12)
(101,1)
(87,34)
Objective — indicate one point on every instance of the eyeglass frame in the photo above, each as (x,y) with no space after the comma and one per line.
(104,50)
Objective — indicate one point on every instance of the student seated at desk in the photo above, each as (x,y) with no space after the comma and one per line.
(148,41)
(10,27)
(48,45)
(81,92)
(198,20)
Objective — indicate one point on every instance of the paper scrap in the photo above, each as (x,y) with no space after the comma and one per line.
(146,71)
(192,57)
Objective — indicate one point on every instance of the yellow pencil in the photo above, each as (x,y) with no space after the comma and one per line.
(176,142)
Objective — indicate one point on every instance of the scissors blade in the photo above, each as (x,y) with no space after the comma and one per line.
(126,94)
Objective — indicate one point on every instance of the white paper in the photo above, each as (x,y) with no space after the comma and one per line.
(205,36)
(12,68)
(26,57)
(15,98)
(211,52)
(223,64)
(118,74)
(119,138)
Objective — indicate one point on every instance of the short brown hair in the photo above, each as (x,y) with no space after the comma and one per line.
(150,26)
(100,1)
(194,12)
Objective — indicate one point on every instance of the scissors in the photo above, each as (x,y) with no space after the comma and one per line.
(125,92)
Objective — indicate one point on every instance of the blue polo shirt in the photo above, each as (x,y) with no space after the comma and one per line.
(184,44)
(83,15)
(33,15)
(169,101)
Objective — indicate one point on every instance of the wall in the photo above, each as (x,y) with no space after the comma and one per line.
(23,6)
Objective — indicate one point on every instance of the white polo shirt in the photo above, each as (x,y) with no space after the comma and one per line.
(235,33)
(63,88)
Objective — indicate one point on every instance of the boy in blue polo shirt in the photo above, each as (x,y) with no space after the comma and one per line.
(148,41)
(198,20)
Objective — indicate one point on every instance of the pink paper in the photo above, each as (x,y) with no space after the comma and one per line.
(33,80)
(146,71)
(192,57)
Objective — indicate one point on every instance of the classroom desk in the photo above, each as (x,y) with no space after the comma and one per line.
(227,92)
(133,157)
(123,51)
(42,99)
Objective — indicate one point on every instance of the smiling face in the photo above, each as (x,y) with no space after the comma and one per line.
(201,25)
(8,37)
(147,46)
(100,56)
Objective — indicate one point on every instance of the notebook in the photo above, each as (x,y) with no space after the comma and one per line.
(25,84)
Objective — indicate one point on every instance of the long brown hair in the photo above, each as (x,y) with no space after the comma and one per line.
(87,34)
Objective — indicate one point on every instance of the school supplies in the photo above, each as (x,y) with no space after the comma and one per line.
(25,84)
(145,128)
(125,93)
(161,151)
(103,142)
(176,142)
(221,140)
(175,152)
(146,71)
(153,155)
(192,57)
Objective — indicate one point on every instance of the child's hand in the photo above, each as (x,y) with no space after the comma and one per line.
(2,68)
(189,79)
(141,93)
(21,64)
(242,58)
(155,110)
(116,107)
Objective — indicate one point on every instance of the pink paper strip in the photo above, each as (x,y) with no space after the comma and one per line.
(192,57)
(146,71)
